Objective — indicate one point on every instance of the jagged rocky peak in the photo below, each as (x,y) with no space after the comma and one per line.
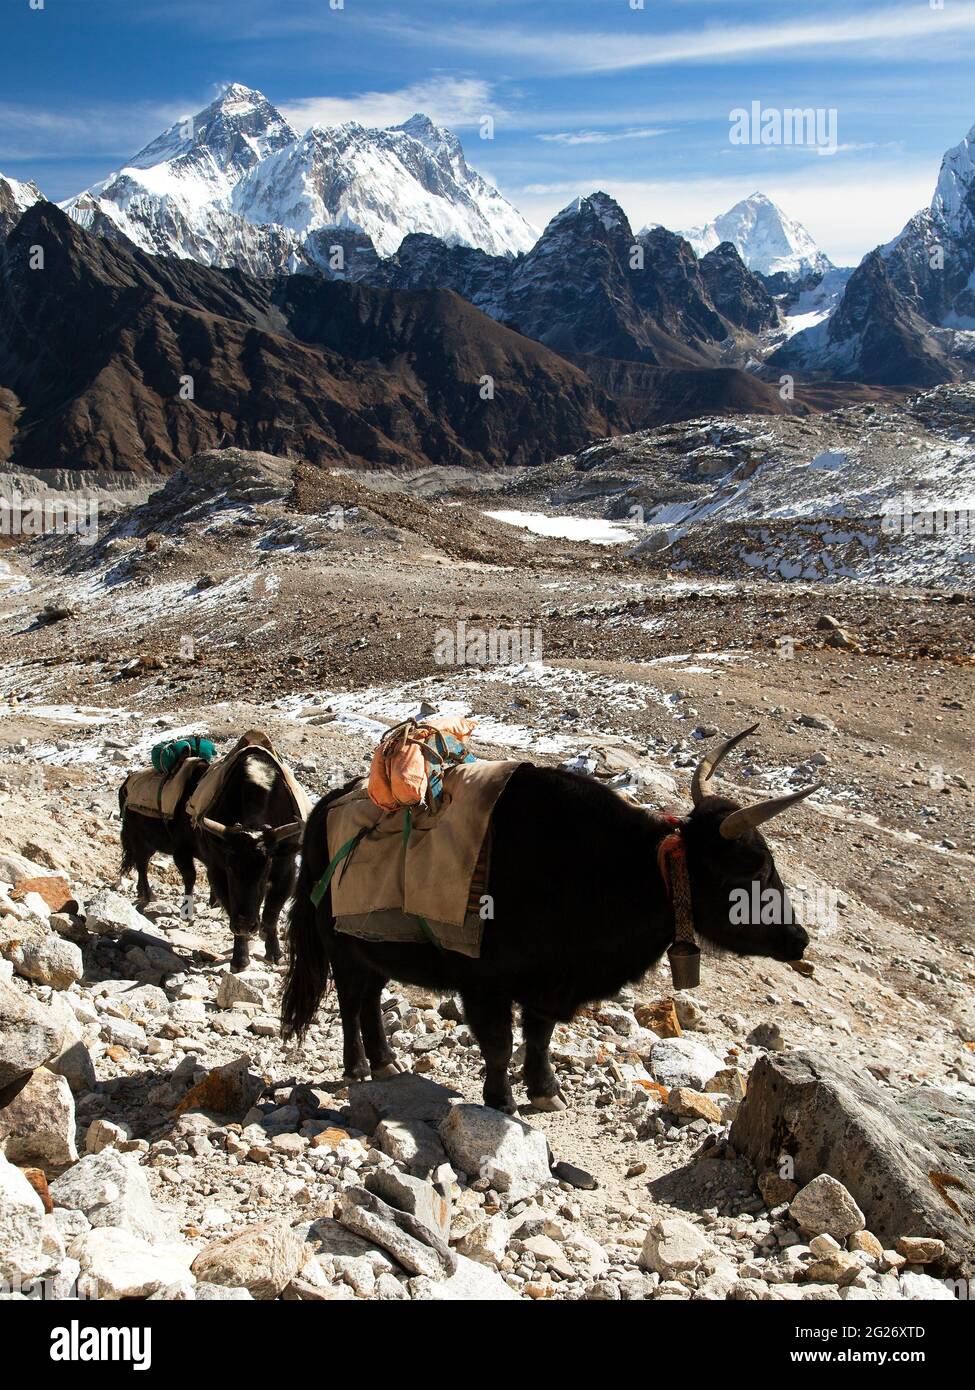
(596,208)
(908,309)
(15,199)
(735,291)
(953,203)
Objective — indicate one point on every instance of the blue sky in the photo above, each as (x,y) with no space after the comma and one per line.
(584,93)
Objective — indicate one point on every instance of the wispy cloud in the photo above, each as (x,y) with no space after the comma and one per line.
(601,137)
(916,31)
(450,101)
(111,130)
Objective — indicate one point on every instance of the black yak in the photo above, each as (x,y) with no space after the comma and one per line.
(579,910)
(248,843)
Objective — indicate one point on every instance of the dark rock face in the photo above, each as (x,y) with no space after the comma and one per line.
(735,292)
(830,1119)
(590,286)
(119,360)
(876,335)
(897,322)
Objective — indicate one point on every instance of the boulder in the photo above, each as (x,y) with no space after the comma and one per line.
(53,889)
(76,1066)
(37,1127)
(117,1264)
(470,1282)
(109,913)
(29,1036)
(485,1240)
(217,1293)
(947,1115)
(415,1196)
(111,1189)
(824,1207)
(922,1288)
(21,1226)
(830,1119)
(920,1250)
(673,1245)
(228,1090)
(262,1259)
(660,1017)
(413,1144)
(485,1143)
(404,1097)
(693,1105)
(40,955)
(683,1062)
(103,1134)
(411,1244)
(247,987)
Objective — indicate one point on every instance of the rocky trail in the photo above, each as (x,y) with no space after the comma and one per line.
(161,1141)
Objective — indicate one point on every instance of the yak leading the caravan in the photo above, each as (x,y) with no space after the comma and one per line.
(581,907)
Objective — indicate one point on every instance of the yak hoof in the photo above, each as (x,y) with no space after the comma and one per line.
(390,1069)
(553,1103)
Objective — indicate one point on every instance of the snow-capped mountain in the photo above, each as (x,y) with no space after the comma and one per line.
(236,185)
(387,183)
(907,315)
(15,199)
(768,241)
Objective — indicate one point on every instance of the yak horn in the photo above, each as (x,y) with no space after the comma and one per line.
(735,824)
(700,784)
(214,826)
(291,831)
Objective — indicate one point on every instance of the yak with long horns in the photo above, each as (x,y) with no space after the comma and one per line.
(580,909)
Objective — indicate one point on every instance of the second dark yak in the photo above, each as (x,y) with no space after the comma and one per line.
(579,910)
(248,843)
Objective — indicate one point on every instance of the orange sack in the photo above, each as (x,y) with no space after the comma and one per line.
(398,774)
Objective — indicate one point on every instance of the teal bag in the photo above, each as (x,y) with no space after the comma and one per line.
(166,755)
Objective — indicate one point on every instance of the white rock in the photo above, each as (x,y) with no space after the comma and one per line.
(471,1282)
(111,1189)
(108,912)
(103,1134)
(484,1143)
(29,1035)
(683,1062)
(117,1264)
(46,959)
(37,1127)
(672,1245)
(921,1287)
(486,1241)
(247,987)
(824,1207)
(21,1225)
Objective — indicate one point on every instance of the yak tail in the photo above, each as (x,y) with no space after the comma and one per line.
(128,860)
(309,961)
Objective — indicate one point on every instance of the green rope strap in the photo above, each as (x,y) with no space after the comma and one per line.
(321,887)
